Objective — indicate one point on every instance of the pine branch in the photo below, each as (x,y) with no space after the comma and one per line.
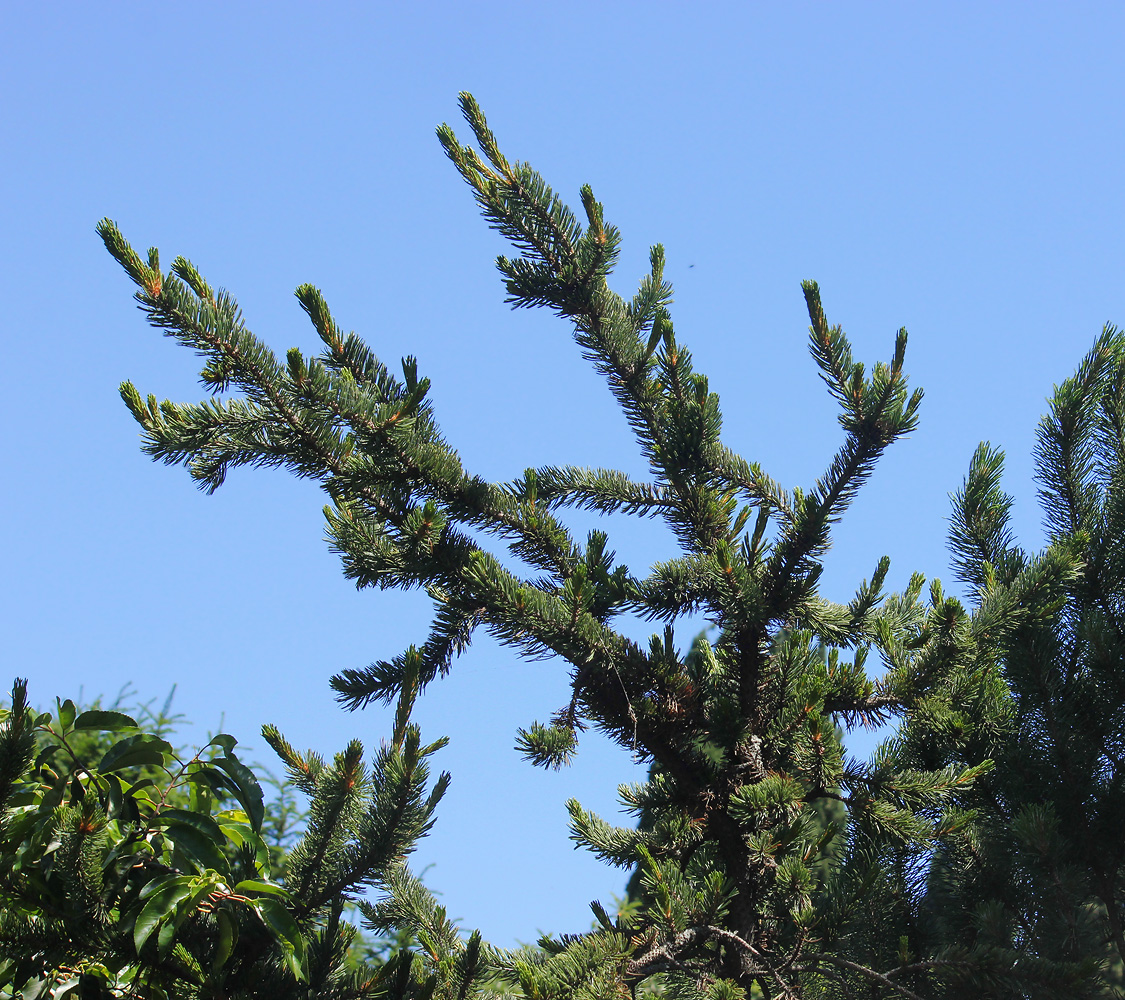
(17,741)
(1064,451)
(604,490)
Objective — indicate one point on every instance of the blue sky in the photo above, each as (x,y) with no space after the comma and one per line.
(952,168)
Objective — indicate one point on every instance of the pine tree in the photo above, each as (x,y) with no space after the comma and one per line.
(745,886)
(1041,866)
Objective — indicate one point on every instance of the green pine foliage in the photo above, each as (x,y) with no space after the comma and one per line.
(767,863)
(1038,867)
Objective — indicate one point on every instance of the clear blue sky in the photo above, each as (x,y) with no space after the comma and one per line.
(954,168)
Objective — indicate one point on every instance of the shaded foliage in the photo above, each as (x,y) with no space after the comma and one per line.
(136,870)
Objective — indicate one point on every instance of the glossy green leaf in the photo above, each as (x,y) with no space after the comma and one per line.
(289,936)
(200,799)
(228,933)
(224,740)
(252,886)
(201,889)
(241,833)
(46,754)
(53,795)
(17,824)
(135,789)
(106,722)
(161,904)
(246,788)
(165,937)
(141,750)
(204,775)
(200,821)
(68,987)
(66,714)
(115,797)
(197,847)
